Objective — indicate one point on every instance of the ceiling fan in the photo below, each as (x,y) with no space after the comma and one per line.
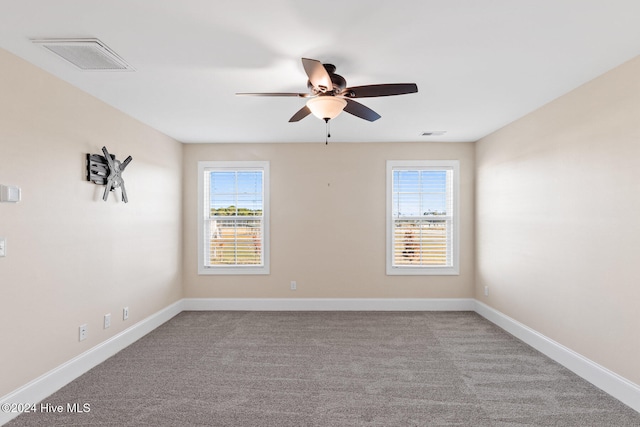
(329,95)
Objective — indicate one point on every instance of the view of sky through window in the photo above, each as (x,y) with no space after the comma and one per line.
(419,192)
(241,190)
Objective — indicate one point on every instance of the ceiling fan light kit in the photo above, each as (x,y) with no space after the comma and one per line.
(329,95)
(326,107)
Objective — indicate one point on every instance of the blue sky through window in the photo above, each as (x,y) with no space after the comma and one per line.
(242,189)
(419,192)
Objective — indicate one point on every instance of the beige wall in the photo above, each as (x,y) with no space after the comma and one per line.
(556,197)
(328,222)
(72,258)
(558,203)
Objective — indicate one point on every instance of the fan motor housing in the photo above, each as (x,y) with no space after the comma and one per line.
(338,82)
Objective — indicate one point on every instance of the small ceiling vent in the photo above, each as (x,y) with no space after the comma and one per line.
(86,54)
(433,133)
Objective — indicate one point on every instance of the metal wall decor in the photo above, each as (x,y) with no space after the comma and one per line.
(106,170)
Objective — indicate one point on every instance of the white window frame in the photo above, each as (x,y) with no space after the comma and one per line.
(454,268)
(204,166)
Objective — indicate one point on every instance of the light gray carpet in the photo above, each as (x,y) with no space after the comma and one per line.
(332,369)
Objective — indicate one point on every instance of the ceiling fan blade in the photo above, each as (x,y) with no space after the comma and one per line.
(298,95)
(361,111)
(318,75)
(301,114)
(370,91)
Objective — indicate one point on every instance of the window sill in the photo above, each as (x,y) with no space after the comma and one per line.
(232,271)
(422,271)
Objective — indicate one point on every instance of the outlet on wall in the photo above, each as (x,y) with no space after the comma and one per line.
(125,313)
(83,331)
(486,291)
(294,285)
(107,320)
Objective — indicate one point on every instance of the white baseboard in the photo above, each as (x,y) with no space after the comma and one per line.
(47,384)
(329,304)
(606,380)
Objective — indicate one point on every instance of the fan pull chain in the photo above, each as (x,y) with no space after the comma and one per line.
(328,128)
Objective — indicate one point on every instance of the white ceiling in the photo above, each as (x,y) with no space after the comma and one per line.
(478,64)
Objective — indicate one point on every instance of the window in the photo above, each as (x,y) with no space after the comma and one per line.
(233,223)
(422,217)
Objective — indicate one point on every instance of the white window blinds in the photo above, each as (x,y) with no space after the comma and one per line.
(422,218)
(234,218)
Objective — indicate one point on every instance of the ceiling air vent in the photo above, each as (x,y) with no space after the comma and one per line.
(86,54)
(433,133)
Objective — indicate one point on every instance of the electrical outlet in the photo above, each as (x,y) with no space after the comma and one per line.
(107,320)
(125,313)
(486,291)
(294,285)
(84,330)
(3,246)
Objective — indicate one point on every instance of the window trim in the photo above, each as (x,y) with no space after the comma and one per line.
(233,270)
(454,269)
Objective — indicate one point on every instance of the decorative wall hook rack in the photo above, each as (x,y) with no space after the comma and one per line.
(106,170)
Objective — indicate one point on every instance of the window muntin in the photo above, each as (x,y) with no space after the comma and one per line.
(422,224)
(234,218)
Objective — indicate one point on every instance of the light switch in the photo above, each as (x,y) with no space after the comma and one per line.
(9,193)
(3,246)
